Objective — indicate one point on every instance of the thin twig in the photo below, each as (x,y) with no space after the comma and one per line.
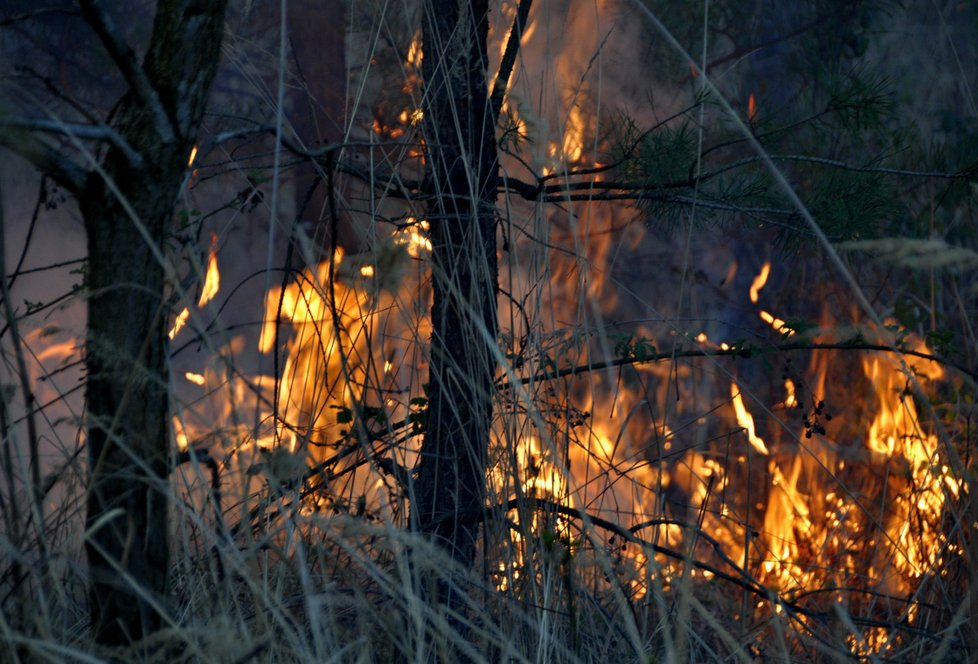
(742,352)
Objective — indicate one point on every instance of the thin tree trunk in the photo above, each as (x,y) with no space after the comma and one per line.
(127,209)
(461,180)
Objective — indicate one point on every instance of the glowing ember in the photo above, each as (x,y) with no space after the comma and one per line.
(776,323)
(195,378)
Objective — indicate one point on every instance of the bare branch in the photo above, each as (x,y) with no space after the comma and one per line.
(125,58)
(45,157)
(79,131)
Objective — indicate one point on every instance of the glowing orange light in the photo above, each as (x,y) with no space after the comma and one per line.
(212,280)
(573,145)
(776,323)
(193,156)
(759,281)
(789,388)
(414,237)
(179,322)
(180,435)
(745,420)
(415,53)
(751,108)
(195,378)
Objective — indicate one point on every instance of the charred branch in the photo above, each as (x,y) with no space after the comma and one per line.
(509,59)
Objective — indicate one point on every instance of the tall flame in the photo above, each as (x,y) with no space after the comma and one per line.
(212,279)
(745,420)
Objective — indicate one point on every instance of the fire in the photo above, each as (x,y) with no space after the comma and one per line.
(745,420)
(408,117)
(850,517)
(193,157)
(212,280)
(775,322)
(180,435)
(802,520)
(415,51)
(195,378)
(573,143)
(759,282)
(896,439)
(414,237)
(789,387)
(179,322)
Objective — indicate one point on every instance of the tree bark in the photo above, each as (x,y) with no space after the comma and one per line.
(460,182)
(127,209)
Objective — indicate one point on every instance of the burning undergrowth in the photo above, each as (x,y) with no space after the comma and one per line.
(688,438)
(789,473)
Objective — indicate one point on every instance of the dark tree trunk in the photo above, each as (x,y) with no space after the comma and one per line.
(127,206)
(461,180)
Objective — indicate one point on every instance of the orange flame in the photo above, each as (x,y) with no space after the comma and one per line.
(212,280)
(179,322)
(745,420)
(180,435)
(759,281)
(776,323)
(195,378)
(415,52)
